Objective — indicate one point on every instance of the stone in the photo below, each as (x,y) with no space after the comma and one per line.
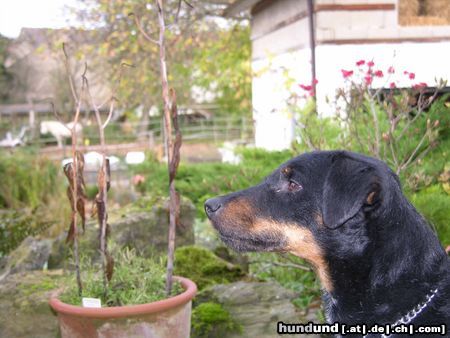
(256,306)
(143,226)
(31,254)
(16,225)
(24,309)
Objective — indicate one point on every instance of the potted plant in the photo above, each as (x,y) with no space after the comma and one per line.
(169,314)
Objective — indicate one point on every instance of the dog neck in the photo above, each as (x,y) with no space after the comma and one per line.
(413,313)
(367,311)
(385,283)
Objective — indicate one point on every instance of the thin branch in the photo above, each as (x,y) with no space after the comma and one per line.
(77,201)
(69,73)
(420,109)
(420,156)
(111,109)
(187,3)
(58,117)
(79,102)
(142,30)
(411,157)
(376,125)
(178,11)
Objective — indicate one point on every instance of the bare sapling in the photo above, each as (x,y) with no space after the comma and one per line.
(103,183)
(74,172)
(170,127)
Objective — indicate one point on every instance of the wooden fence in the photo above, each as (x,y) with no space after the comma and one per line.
(216,129)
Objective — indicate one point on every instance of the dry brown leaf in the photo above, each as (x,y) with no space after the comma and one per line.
(82,212)
(109,266)
(175,158)
(71,233)
(80,191)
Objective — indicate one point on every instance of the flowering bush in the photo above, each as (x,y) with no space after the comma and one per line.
(378,117)
(388,122)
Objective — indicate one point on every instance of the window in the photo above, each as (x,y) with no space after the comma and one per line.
(424,12)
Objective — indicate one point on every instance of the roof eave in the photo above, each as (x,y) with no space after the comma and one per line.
(239,6)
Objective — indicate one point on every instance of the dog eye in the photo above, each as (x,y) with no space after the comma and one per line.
(294,186)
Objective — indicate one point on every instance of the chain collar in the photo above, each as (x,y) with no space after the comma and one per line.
(412,314)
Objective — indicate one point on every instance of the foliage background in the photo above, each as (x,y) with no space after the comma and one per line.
(201,69)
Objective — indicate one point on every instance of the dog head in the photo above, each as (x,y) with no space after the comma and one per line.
(317,206)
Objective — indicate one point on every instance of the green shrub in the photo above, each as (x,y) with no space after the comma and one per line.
(212,320)
(136,280)
(27,180)
(200,181)
(354,131)
(15,226)
(321,133)
(204,268)
(434,204)
(268,160)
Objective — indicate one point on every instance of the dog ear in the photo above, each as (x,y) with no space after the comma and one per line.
(350,185)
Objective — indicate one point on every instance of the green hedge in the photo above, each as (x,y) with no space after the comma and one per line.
(27,180)
(200,181)
(434,204)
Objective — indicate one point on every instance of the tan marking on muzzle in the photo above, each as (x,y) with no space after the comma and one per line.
(240,211)
(301,243)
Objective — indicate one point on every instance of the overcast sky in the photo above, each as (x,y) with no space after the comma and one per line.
(15,14)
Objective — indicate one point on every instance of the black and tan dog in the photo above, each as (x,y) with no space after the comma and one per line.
(378,260)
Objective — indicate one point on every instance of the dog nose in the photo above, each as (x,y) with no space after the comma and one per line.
(212,205)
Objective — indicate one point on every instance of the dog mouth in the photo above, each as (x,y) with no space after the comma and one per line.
(251,242)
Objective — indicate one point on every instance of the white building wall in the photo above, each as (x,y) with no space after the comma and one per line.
(277,77)
(428,61)
(271,87)
(283,54)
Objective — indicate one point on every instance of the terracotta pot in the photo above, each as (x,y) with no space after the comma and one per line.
(169,318)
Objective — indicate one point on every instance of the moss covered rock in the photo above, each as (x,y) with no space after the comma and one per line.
(31,254)
(204,267)
(255,306)
(212,320)
(16,225)
(24,309)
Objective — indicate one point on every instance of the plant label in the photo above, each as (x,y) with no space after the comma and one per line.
(91,302)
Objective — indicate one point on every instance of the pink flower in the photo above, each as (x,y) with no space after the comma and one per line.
(305,87)
(391,70)
(346,73)
(360,62)
(412,76)
(378,73)
(405,72)
(138,179)
(309,88)
(368,79)
(392,85)
(370,64)
(420,85)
